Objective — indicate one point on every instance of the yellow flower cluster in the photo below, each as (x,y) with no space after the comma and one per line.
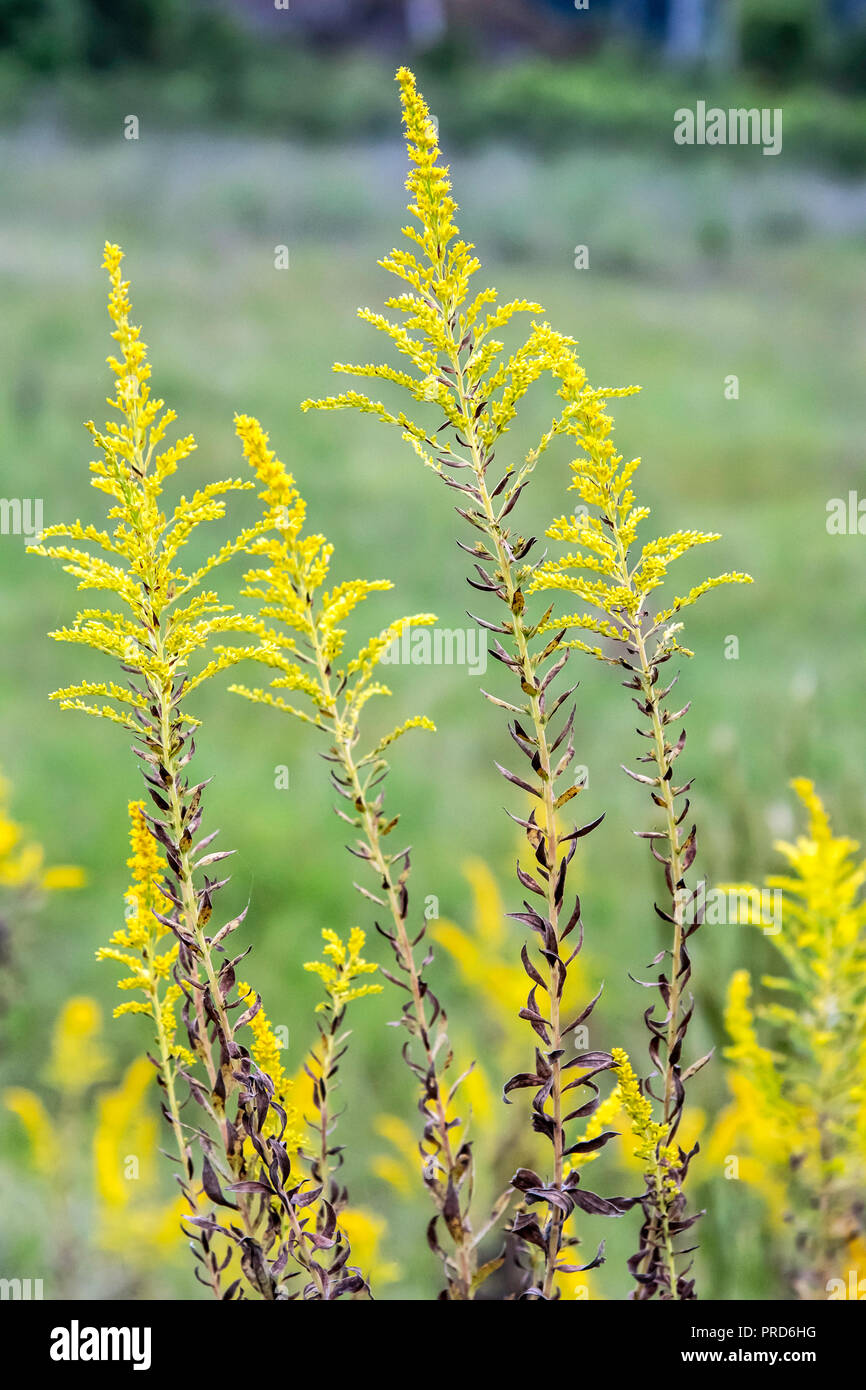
(287,587)
(344,966)
(459,364)
(649,1136)
(136,945)
(267,1053)
(799,1107)
(154,633)
(601,572)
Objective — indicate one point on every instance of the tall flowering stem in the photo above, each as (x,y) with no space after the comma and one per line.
(141,946)
(166,619)
(459,368)
(615,584)
(339,975)
(797,1055)
(303,648)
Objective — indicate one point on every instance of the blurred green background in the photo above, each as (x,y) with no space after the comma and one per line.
(261,128)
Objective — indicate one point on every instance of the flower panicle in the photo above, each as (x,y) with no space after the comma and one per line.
(458,366)
(141,944)
(440,320)
(165,619)
(799,1104)
(340,974)
(300,626)
(602,569)
(237,1153)
(612,579)
(302,639)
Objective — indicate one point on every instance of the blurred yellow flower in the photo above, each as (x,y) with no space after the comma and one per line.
(366,1232)
(63,877)
(797,1122)
(133,1219)
(78,1058)
(22,863)
(37,1125)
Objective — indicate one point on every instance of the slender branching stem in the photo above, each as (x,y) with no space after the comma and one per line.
(459,1228)
(506,566)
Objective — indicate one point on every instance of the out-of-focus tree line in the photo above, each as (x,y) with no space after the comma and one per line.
(787,40)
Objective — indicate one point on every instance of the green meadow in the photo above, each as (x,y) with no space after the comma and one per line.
(699,270)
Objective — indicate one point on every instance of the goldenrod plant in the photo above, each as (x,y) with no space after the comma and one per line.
(302,639)
(482,952)
(147,948)
(341,975)
(263,1178)
(615,579)
(458,368)
(663,1166)
(797,1122)
(159,637)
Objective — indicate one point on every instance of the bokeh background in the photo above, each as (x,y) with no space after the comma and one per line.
(261,127)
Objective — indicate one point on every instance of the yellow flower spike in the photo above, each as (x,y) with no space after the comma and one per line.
(457,371)
(639,1110)
(156,634)
(797,1117)
(288,583)
(302,636)
(344,967)
(604,530)
(147,948)
(613,580)
(436,268)
(267,1053)
(659,1162)
(159,634)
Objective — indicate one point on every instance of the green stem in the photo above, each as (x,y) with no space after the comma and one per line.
(539,724)
(660,1217)
(343,743)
